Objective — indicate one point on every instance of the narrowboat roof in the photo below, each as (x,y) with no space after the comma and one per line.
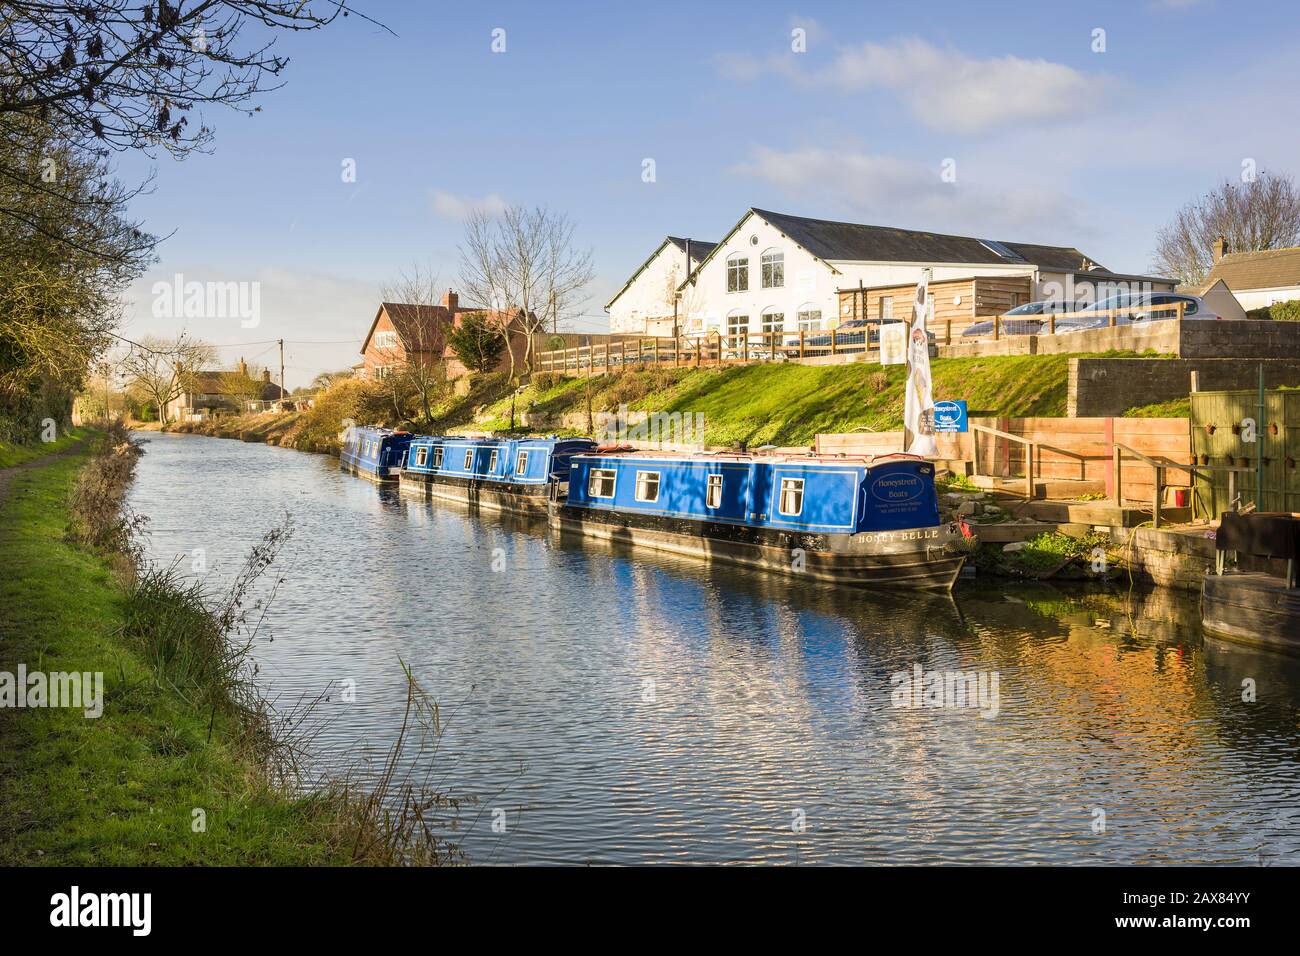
(746,459)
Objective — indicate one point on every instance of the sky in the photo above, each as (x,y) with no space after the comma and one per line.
(1073,124)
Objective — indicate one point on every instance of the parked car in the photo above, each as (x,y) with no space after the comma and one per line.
(853,335)
(1021,320)
(1133,307)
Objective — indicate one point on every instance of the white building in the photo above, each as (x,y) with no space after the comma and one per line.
(1257,279)
(774,271)
(647,304)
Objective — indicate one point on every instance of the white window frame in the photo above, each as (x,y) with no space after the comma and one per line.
(469,460)
(766,319)
(737,272)
(521,463)
(492,461)
(386,339)
(711,486)
(600,474)
(646,475)
(803,320)
(780,501)
(437,457)
(421,457)
(772,269)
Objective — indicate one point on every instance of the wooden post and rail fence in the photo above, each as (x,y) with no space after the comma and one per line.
(775,345)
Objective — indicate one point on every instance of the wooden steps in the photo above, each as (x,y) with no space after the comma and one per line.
(1043,487)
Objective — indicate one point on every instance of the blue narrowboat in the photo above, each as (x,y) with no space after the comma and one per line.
(502,474)
(374,453)
(857,521)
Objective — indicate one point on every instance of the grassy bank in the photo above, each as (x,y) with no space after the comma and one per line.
(11,455)
(781,404)
(175,770)
(788,404)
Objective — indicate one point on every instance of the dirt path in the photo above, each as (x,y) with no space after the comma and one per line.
(7,474)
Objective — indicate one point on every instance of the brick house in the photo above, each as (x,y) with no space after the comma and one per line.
(402,333)
(220,392)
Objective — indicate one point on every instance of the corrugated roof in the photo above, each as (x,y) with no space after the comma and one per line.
(1266,269)
(858,242)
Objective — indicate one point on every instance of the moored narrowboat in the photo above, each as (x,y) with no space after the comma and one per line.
(374,453)
(502,474)
(864,521)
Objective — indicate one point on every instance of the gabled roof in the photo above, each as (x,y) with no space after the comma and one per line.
(1267,269)
(700,250)
(832,241)
(420,327)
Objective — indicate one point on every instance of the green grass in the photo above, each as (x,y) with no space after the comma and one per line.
(121,789)
(1174,408)
(788,404)
(11,455)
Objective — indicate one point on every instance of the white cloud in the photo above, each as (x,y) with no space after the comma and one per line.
(885,190)
(450,206)
(944,88)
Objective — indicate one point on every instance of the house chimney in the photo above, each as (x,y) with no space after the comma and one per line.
(266,375)
(1220,248)
(450,301)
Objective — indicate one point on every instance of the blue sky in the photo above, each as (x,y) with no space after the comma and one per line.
(1051,141)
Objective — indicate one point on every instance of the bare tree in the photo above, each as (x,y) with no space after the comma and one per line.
(523,265)
(418,370)
(126,73)
(1261,214)
(164,369)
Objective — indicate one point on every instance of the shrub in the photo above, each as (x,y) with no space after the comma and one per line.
(477,342)
(1288,311)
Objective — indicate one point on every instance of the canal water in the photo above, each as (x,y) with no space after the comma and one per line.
(605,707)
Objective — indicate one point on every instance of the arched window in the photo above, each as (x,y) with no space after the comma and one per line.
(810,317)
(773,269)
(737,273)
(773,320)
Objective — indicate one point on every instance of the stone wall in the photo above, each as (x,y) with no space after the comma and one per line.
(1244,339)
(1103,387)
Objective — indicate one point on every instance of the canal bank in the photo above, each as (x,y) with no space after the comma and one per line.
(148,770)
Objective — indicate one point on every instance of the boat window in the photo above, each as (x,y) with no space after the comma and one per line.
(469,459)
(492,461)
(421,457)
(521,465)
(437,458)
(713,495)
(791,496)
(368,444)
(601,483)
(647,486)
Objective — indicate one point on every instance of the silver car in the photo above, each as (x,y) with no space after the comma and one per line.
(1133,307)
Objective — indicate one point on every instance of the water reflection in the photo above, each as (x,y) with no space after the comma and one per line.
(621,708)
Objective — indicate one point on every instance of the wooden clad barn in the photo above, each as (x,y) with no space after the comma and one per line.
(957,302)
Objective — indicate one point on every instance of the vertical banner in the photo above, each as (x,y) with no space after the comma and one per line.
(918,404)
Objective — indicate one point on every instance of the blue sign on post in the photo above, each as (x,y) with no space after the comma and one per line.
(950,416)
